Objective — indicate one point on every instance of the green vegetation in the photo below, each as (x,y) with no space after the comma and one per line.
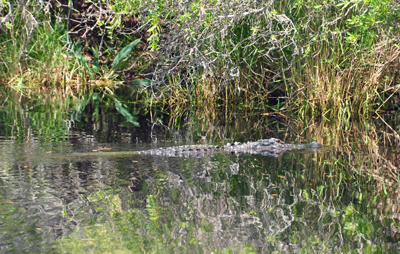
(334,61)
(85,65)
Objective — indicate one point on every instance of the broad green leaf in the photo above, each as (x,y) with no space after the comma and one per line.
(124,52)
(123,111)
(151,29)
(76,52)
(81,106)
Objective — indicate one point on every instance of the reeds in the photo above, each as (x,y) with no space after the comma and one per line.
(315,60)
(346,86)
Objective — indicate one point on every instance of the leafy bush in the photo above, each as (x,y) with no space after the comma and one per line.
(338,55)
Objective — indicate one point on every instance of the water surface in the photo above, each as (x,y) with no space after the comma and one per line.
(339,199)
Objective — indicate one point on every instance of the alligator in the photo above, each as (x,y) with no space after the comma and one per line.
(267,147)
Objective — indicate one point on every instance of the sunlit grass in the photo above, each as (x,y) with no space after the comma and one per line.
(306,60)
(344,88)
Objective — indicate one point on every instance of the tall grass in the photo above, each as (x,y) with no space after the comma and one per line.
(335,61)
(339,86)
(32,52)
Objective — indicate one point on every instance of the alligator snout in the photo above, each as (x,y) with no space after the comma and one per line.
(315,145)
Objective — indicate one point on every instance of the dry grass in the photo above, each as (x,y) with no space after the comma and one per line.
(347,87)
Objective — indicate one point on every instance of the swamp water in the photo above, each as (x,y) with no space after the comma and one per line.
(340,199)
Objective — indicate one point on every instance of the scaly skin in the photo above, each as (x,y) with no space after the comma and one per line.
(267,147)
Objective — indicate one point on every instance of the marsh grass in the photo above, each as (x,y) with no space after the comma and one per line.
(342,69)
(32,53)
(343,88)
(317,61)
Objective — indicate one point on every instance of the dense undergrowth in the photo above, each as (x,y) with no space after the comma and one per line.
(332,61)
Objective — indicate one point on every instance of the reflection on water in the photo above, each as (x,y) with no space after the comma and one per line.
(332,201)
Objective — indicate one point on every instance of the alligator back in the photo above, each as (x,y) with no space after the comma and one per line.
(267,147)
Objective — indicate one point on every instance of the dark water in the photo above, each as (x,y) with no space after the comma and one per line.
(340,199)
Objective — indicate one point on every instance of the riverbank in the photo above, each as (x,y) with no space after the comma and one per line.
(331,61)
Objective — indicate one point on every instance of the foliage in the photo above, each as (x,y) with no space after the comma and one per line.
(311,58)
